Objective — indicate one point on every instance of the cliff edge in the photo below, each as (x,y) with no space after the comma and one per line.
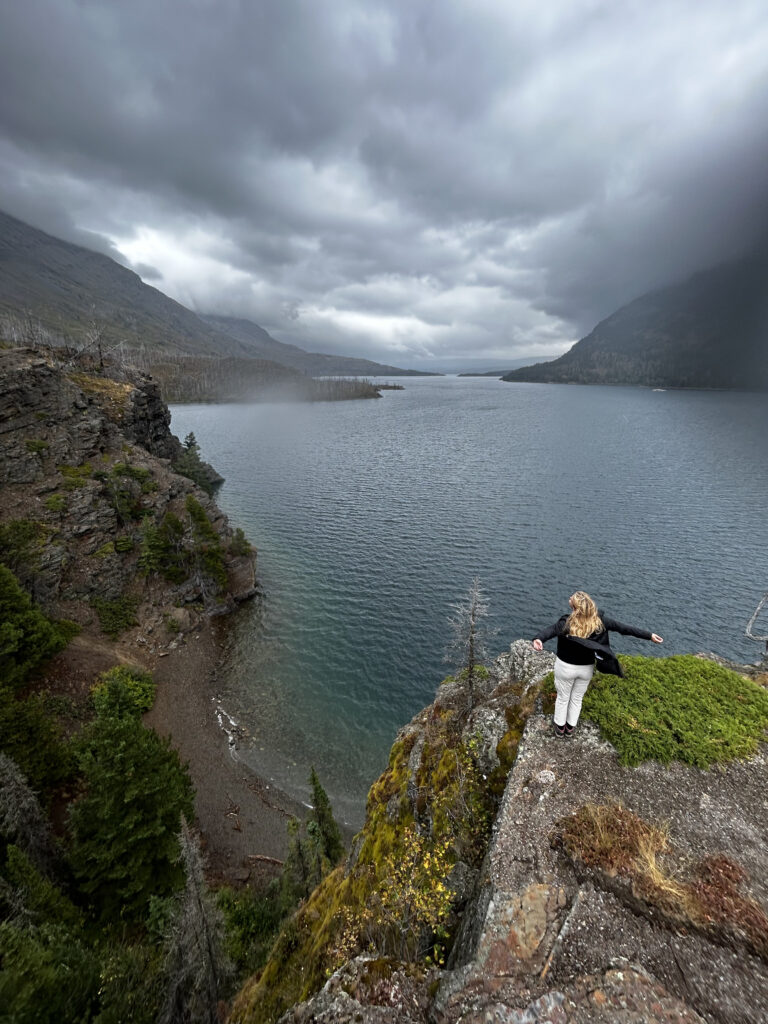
(597,893)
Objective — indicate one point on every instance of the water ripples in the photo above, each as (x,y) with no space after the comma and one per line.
(372,517)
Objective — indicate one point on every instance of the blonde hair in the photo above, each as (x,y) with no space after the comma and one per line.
(584,619)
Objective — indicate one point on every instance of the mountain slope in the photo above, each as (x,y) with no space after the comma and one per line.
(709,331)
(70,291)
(315,364)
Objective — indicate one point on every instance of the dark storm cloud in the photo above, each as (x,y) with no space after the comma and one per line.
(406,179)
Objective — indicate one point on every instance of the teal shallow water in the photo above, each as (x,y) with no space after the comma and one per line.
(371,517)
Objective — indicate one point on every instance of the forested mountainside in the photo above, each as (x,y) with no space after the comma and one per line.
(48,285)
(711,331)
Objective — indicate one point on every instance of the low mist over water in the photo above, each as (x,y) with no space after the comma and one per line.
(370,518)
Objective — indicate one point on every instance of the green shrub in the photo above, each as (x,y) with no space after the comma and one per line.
(207,549)
(36,445)
(76,476)
(163,550)
(55,503)
(123,544)
(32,738)
(27,637)
(139,690)
(240,545)
(115,616)
(251,921)
(49,976)
(123,488)
(105,549)
(681,708)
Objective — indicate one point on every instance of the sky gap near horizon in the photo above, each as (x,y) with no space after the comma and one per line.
(407,181)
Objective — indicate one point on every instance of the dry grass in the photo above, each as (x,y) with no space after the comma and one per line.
(113,394)
(610,839)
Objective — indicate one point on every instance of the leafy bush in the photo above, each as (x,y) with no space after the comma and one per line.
(124,847)
(681,708)
(115,616)
(27,637)
(120,685)
(251,920)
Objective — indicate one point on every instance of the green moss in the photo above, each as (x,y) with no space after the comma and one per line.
(395,898)
(105,549)
(681,708)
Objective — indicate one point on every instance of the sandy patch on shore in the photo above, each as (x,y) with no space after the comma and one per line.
(241,817)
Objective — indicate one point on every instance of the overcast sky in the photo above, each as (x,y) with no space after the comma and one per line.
(406,179)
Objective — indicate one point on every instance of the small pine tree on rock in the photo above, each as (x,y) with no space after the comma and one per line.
(322,813)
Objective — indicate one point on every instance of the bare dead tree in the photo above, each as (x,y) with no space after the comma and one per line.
(749,631)
(22,820)
(470,635)
(196,966)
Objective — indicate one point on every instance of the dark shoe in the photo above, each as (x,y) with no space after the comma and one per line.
(559,730)
(569,730)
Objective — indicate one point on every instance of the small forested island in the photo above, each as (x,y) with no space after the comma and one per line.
(501,874)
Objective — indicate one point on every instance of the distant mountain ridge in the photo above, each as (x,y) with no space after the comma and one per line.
(72,292)
(315,364)
(710,331)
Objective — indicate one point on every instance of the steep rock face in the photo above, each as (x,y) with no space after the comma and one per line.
(85,466)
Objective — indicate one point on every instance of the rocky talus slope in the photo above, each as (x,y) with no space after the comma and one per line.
(86,469)
(607,894)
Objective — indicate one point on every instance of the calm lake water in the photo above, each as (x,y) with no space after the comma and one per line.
(371,517)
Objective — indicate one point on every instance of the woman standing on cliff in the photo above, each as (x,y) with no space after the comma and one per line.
(582,637)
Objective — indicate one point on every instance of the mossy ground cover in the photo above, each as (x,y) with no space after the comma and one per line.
(680,708)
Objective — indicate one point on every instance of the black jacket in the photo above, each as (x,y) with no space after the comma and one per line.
(585,651)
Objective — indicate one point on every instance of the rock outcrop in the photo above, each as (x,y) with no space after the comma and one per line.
(86,469)
(607,894)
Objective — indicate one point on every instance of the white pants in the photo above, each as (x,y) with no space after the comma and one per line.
(571,682)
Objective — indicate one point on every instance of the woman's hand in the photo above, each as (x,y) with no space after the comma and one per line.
(656,638)
(539,646)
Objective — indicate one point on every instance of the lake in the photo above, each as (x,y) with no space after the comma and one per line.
(372,517)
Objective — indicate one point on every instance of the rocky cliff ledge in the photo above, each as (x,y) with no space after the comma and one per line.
(95,520)
(606,894)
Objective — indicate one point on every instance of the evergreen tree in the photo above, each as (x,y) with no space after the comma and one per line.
(322,813)
(27,638)
(124,847)
(294,881)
